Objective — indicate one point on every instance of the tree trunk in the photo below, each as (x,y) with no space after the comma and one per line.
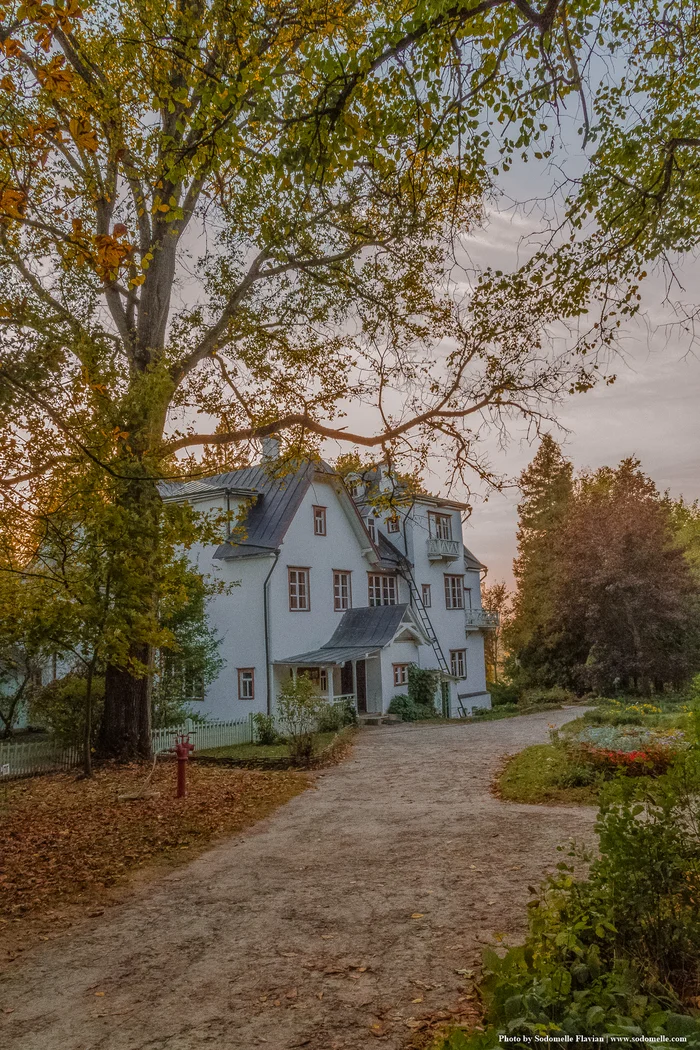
(125,730)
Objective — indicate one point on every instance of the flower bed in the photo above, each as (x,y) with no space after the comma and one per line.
(633,750)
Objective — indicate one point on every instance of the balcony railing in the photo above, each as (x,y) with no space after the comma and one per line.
(476,619)
(443,549)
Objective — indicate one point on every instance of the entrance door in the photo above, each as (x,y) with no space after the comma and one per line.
(445,688)
(361,675)
(346,678)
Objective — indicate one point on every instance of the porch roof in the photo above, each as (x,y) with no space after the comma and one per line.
(328,656)
(361,632)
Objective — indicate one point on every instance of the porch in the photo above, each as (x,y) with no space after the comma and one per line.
(339,677)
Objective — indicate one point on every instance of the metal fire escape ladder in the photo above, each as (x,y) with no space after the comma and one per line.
(426,624)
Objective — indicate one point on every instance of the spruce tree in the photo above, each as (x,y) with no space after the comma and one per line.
(546,486)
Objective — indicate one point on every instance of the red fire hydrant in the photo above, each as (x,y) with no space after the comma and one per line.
(182,750)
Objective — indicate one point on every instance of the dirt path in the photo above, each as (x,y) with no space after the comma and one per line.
(321,926)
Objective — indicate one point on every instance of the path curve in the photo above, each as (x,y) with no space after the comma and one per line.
(322,925)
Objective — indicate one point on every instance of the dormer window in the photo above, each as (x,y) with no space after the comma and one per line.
(319,521)
(392,524)
(440,526)
(372,530)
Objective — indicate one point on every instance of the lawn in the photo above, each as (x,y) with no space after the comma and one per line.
(265,752)
(542,775)
(67,841)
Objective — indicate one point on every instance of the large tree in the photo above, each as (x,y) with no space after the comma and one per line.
(546,486)
(246,212)
(626,610)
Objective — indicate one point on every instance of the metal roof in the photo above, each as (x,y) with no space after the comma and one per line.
(360,632)
(391,556)
(328,656)
(277,500)
(471,561)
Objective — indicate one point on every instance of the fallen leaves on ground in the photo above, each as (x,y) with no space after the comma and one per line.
(66,838)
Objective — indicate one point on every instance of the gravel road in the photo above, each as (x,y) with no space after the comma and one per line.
(342,917)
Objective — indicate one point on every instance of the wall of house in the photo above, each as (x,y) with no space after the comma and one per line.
(237,618)
(398,653)
(294,632)
(448,624)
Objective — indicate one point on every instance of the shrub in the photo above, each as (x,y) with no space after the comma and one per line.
(410,711)
(331,719)
(619,952)
(265,732)
(503,693)
(60,707)
(536,697)
(422,687)
(300,707)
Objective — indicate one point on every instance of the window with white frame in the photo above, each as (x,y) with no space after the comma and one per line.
(319,521)
(467,597)
(458,662)
(246,683)
(342,594)
(323,680)
(440,526)
(454,592)
(392,524)
(299,599)
(400,674)
(382,589)
(426,595)
(372,530)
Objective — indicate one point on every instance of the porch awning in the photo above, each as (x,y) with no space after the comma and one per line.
(331,656)
(362,632)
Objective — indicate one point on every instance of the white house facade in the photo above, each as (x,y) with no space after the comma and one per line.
(322,584)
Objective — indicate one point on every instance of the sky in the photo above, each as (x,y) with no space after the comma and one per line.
(652,411)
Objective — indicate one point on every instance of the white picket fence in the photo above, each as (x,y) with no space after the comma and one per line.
(205,734)
(43,756)
(50,756)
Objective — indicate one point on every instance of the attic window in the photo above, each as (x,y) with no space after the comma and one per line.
(319,521)
(392,524)
(371,529)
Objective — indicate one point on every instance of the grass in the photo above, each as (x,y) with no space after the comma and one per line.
(68,841)
(254,752)
(541,775)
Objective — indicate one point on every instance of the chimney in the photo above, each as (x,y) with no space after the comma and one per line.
(270,449)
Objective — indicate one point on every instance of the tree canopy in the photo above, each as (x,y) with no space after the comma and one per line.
(609,594)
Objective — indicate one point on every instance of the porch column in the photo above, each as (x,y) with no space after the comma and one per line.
(329,676)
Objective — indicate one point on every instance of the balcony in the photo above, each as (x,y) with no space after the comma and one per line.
(443,550)
(480,620)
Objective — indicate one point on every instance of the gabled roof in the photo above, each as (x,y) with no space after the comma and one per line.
(359,633)
(275,502)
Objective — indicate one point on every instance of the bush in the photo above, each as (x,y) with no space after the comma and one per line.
(300,707)
(410,711)
(537,697)
(265,732)
(619,952)
(422,687)
(331,719)
(503,693)
(60,707)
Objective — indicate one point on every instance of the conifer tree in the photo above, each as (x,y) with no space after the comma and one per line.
(546,486)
